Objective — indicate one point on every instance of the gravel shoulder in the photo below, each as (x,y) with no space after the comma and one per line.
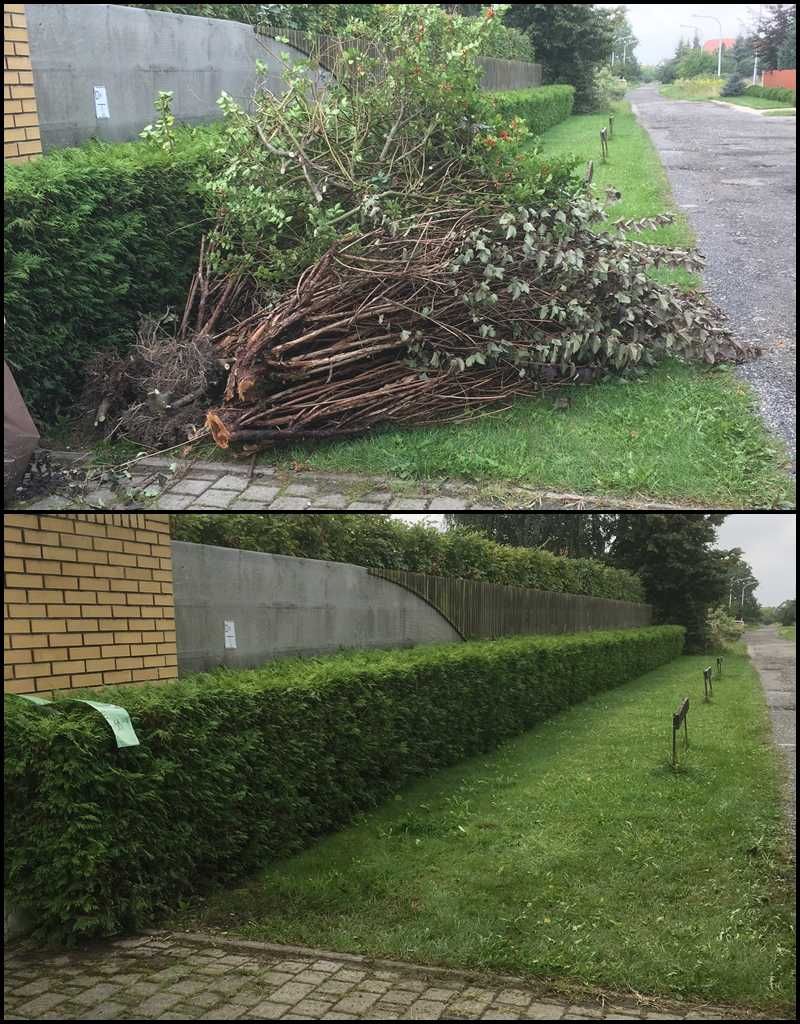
(733,175)
(775,660)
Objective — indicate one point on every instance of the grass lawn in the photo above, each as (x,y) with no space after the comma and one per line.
(758,102)
(787,632)
(781,113)
(676,431)
(574,853)
(692,89)
(634,169)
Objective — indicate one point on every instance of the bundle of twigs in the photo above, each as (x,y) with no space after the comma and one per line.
(383,330)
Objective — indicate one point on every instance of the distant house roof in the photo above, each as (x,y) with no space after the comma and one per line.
(711,45)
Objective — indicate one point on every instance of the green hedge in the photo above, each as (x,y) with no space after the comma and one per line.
(383,543)
(541,107)
(238,768)
(776,93)
(94,237)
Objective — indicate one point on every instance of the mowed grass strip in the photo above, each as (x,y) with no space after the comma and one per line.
(632,168)
(676,433)
(574,852)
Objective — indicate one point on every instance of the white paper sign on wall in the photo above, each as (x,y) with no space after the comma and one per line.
(230,634)
(100,102)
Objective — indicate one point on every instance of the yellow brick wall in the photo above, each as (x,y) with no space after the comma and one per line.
(21,138)
(88,600)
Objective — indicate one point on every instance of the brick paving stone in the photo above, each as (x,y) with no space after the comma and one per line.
(312,977)
(33,988)
(349,975)
(514,996)
(370,985)
(158,1003)
(332,501)
(545,1011)
(174,502)
(278,977)
(231,482)
(442,994)
(401,996)
(268,1011)
(426,1009)
(215,497)
(312,1007)
(364,506)
(289,504)
(227,1012)
(291,992)
(189,486)
(259,493)
(337,988)
(95,994)
(304,490)
(107,1011)
(448,504)
(355,1003)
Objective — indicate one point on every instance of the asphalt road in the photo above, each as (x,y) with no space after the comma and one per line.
(776,662)
(733,173)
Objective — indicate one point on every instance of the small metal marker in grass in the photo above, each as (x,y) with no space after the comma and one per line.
(678,719)
(604,142)
(719,668)
(707,685)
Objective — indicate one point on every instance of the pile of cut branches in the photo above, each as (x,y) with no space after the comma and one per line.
(458,311)
(383,257)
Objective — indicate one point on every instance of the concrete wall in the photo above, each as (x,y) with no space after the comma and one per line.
(282,606)
(134,54)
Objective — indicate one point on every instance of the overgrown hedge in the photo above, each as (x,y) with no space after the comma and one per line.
(94,237)
(383,543)
(771,93)
(541,107)
(238,768)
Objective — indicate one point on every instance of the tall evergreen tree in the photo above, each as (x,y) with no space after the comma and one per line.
(570,41)
(674,556)
(575,534)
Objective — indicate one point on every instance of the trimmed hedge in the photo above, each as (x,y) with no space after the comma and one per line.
(238,768)
(382,543)
(94,237)
(771,93)
(541,107)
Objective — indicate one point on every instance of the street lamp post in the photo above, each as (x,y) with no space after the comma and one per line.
(710,17)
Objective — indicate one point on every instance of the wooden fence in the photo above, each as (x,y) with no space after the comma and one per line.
(327,51)
(481,610)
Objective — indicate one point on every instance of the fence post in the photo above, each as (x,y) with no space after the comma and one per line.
(611,126)
(604,143)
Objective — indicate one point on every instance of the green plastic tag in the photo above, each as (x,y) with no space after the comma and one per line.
(117,717)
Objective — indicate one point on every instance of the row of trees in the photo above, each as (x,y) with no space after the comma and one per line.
(772,39)
(684,574)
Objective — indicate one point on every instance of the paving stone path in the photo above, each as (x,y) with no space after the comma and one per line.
(206,486)
(182,976)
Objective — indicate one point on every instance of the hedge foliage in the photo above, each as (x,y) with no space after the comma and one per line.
(541,107)
(379,542)
(236,768)
(94,237)
(771,93)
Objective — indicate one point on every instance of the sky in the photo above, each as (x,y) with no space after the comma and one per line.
(658,26)
(767,540)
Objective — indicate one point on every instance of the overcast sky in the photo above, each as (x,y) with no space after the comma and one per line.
(767,540)
(658,26)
